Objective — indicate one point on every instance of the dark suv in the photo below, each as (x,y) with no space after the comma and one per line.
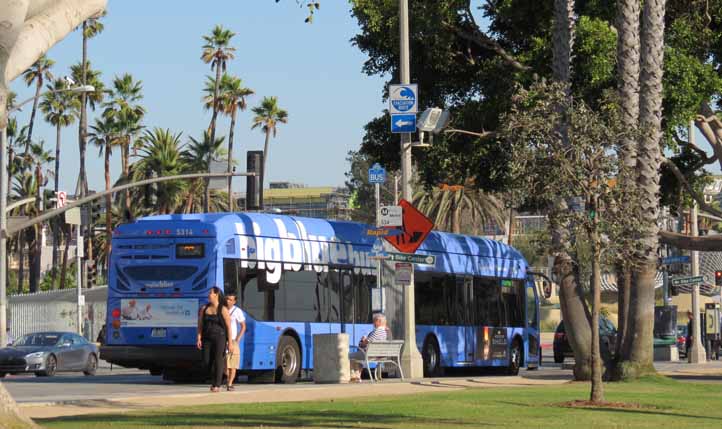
(607,338)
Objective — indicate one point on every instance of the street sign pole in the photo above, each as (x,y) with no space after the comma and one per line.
(696,352)
(378,262)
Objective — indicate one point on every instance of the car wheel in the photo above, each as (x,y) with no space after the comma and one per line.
(432,358)
(51,366)
(514,358)
(288,360)
(92,366)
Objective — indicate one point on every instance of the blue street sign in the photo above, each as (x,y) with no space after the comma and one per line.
(403,98)
(377,251)
(377,174)
(405,123)
(669,260)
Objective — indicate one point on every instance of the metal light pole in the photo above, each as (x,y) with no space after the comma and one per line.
(696,353)
(411,360)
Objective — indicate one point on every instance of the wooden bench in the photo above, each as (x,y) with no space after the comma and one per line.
(380,352)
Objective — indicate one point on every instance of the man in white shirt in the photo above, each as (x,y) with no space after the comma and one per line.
(233,358)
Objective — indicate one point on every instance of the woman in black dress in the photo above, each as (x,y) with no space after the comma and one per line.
(214,330)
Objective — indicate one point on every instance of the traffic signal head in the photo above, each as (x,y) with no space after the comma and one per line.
(718,278)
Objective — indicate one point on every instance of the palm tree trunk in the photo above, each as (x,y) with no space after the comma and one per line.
(207,193)
(56,227)
(21,260)
(641,310)
(66,250)
(230,159)
(36,246)
(125,159)
(265,160)
(38,88)
(108,205)
(624,282)
(83,122)
(11,159)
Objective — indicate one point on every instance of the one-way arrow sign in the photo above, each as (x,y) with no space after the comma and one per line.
(405,123)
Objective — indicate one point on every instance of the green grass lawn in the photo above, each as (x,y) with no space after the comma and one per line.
(664,403)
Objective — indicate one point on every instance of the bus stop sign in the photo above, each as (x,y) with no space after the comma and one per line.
(415,228)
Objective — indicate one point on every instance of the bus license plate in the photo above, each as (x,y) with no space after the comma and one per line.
(158,333)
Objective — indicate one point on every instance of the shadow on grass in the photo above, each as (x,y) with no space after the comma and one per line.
(641,411)
(690,377)
(316,418)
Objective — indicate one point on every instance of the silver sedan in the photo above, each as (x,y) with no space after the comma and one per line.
(45,353)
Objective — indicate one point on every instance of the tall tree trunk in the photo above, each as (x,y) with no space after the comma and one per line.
(571,298)
(66,250)
(624,284)
(56,224)
(37,246)
(265,158)
(207,191)
(38,88)
(83,122)
(108,207)
(21,260)
(628,45)
(125,159)
(641,310)
(230,159)
(597,391)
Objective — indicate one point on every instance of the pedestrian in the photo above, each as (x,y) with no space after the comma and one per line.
(233,358)
(214,333)
(10,339)
(381,332)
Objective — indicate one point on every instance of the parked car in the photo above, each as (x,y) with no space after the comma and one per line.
(45,353)
(607,338)
(682,340)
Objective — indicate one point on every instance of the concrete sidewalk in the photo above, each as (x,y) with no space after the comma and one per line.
(280,393)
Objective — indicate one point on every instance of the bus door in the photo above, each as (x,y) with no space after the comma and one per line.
(531,331)
(468,312)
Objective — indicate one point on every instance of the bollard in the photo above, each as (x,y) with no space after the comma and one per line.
(330,358)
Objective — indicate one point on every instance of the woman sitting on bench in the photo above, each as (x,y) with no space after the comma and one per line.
(379,333)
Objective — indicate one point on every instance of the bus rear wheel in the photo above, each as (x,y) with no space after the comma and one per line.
(288,360)
(432,358)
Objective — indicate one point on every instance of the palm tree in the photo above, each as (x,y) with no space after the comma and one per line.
(216,52)
(233,98)
(33,183)
(628,12)
(90,28)
(460,209)
(104,135)
(123,106)
(647,167)
(268,116)
(60,109)
(38,73)
(160,155)
(197,156)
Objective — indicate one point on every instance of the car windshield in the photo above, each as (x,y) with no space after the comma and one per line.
(38,340)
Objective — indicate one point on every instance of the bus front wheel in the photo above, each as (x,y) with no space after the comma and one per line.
(288,360)
(514,358)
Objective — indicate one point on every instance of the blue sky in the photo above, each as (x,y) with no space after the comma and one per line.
(313,69)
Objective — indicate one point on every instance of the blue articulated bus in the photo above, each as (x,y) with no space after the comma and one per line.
(296,277)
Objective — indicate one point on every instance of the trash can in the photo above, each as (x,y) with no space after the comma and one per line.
(330,358)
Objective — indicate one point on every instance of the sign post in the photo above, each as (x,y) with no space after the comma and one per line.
(377,176)
(73,217)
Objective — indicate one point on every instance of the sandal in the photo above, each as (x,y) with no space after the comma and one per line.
(231,388)
(215,389)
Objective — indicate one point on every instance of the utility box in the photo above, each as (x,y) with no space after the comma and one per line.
(330,358)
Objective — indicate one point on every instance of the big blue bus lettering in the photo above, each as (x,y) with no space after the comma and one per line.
(296,277)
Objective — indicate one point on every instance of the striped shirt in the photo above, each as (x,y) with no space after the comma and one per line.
(378,334)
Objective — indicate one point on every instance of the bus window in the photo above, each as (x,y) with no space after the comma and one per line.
(230,276)
(487,294)
(363,298)
(429,300)
(302,293)
(531,316)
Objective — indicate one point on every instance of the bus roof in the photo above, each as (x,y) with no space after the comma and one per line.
(454,253)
